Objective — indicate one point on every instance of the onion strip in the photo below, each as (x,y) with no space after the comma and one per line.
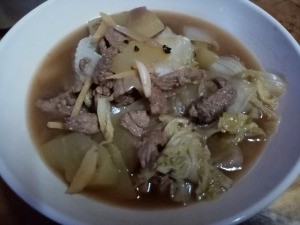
(145,78)
(122,75)
(55,125)
(107,19)
(85,172)
(81,96)
(99,33)
(103,113)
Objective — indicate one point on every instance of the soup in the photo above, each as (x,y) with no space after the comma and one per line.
(178,114)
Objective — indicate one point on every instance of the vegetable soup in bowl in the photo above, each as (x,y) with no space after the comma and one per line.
(144,113)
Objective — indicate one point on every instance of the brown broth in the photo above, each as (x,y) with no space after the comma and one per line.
(56,72)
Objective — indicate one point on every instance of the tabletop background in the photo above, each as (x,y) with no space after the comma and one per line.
(285,210)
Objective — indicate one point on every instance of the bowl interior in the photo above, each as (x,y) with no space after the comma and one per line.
(42,29)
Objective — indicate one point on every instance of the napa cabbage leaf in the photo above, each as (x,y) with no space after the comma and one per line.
(240,125)
(181,52)
(269,86)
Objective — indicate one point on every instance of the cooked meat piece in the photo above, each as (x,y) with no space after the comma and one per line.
(112,39)
(103,66)
(158,182)
(140,118)
(103,45)
(125,92)
(148,150)
(143,186)
(59,106)
(148,155)
(123,98)
(136,122)
(179,77)
(206,109)
(126,99)
(162,182)
(105,89)
(157,101)
(83,63)
(86,123)
(119,88)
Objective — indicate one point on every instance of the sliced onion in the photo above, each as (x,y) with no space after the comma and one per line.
(130,33)
(205,57)
(99,33)
(245,91)
(103,113)
(274,83)
(86,50)
(137,36)
(132,82)
(227,65)
(145,78)
(85,172)
(93,25)
(195,34)
(126,84)
(122,75)
(107,19)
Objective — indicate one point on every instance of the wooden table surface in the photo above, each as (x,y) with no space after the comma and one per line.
(285,210)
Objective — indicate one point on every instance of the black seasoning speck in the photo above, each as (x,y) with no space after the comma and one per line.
(136,48)
(166,49)
(126,41)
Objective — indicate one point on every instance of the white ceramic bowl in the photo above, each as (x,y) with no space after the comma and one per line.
(26,45)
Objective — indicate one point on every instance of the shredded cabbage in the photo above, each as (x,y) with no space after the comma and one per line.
(268,112)
(187,161)
(240,125)
(174,125)
(180,156)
